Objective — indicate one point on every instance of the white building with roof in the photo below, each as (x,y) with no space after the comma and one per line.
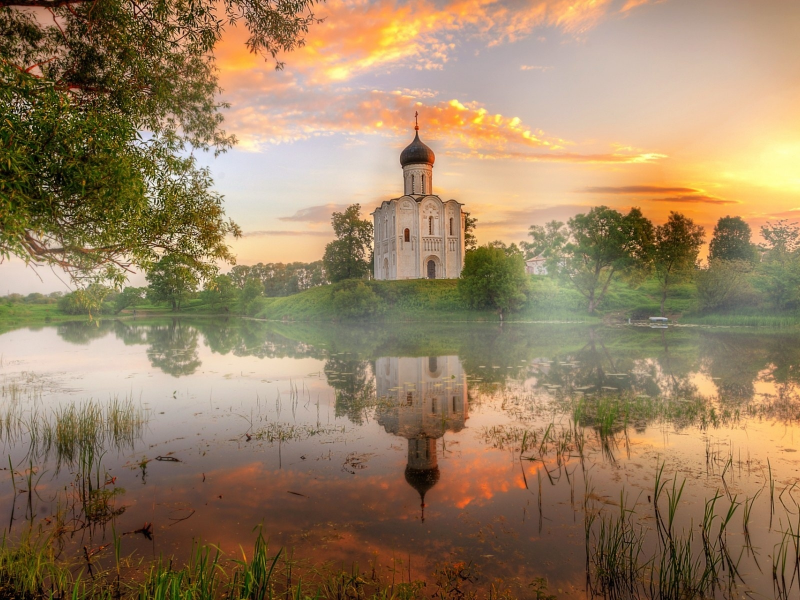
(418,235)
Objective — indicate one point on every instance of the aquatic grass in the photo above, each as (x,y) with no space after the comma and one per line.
(624,560)
(277,431)
(67,431)
(32,569)
(29,569)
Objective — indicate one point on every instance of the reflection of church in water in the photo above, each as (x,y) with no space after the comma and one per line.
(425,397)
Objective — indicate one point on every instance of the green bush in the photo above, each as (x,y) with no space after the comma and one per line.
(256,306)
(494,279)
(643,312)
(353,299)
(88,301)
(724,285)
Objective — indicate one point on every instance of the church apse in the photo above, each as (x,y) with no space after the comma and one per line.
(422,399)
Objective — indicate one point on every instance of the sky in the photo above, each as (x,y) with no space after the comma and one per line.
(536,110)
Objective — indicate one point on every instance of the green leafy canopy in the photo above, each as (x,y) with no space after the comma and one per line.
(103,104)
(347,257)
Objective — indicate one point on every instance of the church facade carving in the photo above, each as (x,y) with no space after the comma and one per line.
(418,235)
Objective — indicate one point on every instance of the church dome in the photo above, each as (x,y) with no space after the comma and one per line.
(416,152)
(422,480)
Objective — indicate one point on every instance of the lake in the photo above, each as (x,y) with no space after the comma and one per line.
(481,456)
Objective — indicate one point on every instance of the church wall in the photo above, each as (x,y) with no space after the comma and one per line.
(455,240)
(406,250)
(429,226)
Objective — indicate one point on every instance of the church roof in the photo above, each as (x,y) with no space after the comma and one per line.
(417,152)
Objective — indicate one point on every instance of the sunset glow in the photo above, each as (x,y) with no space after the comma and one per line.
(536,110)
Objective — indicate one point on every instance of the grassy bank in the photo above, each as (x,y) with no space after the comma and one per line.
(13,316)
(424,300)
(440,300)
(412,300)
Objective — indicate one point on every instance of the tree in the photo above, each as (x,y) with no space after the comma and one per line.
(781,239)
(172,280)
(723,284)
(253,288)
(494,279)
(346,257)
(676,246)
(85,301)
(547,241)
(103,104)
(605,243)
(510,250)
(130,296)
(470,241)
(220,292)
(781,266)
(731,240)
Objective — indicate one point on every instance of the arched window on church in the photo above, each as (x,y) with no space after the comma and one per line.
(412,184)
(423,184)
(430,225)
(451,225)
(407,235)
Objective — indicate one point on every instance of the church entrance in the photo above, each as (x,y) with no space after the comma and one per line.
(431,270)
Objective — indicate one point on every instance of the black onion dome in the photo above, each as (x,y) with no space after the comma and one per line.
(422,480)
(417,152)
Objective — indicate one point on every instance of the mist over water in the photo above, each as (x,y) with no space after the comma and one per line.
(407,448)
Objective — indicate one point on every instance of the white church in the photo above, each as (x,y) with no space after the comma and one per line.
(418,235)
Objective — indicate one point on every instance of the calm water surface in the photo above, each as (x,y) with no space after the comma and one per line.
(408,447)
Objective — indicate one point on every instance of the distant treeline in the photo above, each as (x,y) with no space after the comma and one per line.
(174,283)
(280,279)
(34,298)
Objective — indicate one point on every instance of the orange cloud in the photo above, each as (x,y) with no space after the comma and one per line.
(463,129)
(358,36)
(639,189)
(696,199)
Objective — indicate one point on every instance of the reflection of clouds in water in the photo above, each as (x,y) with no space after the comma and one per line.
(408,430)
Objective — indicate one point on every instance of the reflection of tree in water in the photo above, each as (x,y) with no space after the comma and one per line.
(84,332)
(494,355)
(252,338)
(675,368)
(572,357)
(173,348)
(734,364)
(783,360)
(596,368)
(354,384)
(131,333)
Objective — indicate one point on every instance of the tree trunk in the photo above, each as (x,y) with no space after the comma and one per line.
(663,299)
